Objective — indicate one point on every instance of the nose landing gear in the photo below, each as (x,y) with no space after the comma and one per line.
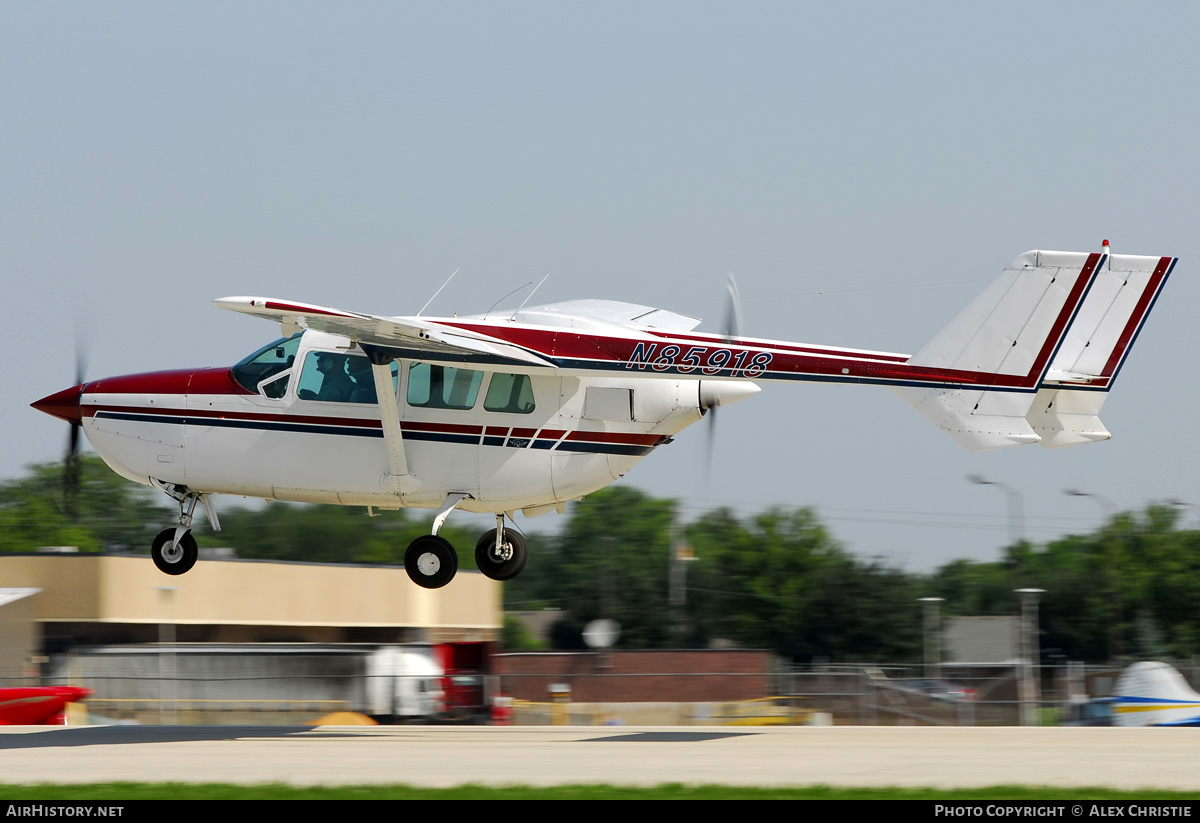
(174,550)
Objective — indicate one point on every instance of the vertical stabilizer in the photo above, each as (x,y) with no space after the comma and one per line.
(1155,694)
(1066,412)
(1012,330)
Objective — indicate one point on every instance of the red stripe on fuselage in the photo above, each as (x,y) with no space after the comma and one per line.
(177,381)
(787,358)
(614,437)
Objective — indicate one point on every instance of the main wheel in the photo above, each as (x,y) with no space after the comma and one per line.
(430,561)
(510,560)
(174,559)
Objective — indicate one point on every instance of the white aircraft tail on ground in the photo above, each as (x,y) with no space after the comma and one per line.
(1155,694)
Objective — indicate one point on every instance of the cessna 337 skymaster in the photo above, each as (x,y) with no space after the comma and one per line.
(534,409)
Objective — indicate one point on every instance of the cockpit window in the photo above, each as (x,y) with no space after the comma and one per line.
(443,387)
(252,372)
(339,378)
(511,393)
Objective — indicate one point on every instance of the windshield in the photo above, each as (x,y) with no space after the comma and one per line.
(271,360)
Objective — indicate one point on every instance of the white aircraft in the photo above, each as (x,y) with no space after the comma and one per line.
(1154,694)
(533,409)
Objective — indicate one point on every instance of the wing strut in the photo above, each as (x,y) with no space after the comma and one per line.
(397,480)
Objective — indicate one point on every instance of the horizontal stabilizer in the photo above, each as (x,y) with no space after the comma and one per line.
(1062,417)
(979,421)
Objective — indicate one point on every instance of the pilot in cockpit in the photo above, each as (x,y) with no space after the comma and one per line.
(364,383)
(336,385)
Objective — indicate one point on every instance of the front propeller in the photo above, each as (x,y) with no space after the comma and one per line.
(65,406)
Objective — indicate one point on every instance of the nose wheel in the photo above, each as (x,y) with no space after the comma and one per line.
(172,556)
(174,550)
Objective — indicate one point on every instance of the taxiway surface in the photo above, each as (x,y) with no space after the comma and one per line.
(449,756)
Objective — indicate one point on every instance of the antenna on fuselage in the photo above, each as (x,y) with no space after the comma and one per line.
(531,294)
(510,294)
(439,291)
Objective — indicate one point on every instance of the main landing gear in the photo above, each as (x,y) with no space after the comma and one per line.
(174,550)
(431,561)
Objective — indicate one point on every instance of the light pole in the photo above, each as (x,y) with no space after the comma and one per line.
(933,638)
(681,554)
(1108,507)
(1030,693)
(1016,506)
(1178,505)
(166,657)
(1112,558)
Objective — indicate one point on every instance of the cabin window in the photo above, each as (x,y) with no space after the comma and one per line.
(255,372)
(275,387)
(334,377)
(443,387)
(510,393)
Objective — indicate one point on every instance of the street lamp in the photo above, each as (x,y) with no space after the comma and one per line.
(1016,506)
(167,673)
(1030,697)
(933,638)
(1112,562)
(1178,505)
(1109,508)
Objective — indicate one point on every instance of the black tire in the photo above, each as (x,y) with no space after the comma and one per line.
(430,561)
(180,561)
(494,567)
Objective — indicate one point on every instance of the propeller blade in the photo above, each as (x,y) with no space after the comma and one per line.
(732,328)
(733,309)
(71,467)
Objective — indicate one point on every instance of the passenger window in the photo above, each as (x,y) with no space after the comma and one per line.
(511,393)
(339,378)
(443,387)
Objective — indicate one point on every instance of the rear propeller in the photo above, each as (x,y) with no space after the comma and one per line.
(732,327)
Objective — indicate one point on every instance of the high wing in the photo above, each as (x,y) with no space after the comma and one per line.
(396,336)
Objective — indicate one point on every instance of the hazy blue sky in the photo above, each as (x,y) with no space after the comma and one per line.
(863,168)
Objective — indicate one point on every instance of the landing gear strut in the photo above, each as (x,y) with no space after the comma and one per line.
(174,550)
(431,561)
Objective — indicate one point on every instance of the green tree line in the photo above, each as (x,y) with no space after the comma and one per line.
(777,579)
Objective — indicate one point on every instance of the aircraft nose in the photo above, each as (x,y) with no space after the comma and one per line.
(64,404)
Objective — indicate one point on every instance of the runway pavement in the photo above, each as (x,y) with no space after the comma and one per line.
(451,755)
